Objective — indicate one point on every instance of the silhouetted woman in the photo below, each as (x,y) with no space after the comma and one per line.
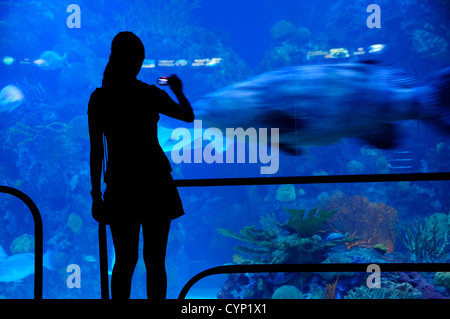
(123,116)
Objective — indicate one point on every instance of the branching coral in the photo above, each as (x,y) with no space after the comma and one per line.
(366,223)
(427,240)
(388,290)
(291,242)
(251,235)
(330,290)
(304,223)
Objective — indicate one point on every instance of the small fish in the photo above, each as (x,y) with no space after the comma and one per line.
(376,48)
(148,64)
(181,62)
(40,62)
(213,62)
(89,258)
(10,98)
(50,60)
(8,60)
(336,236)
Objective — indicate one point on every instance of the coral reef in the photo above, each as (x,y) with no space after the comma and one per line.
(294,241)
(427,240)
(366,223)
(286,31)
(442,279)
(22,244)
(282,30)
(330,290)
(426,42)
(287,292)
(286,193)
(306,223)
(381,248)
(288,46)
(234,287)
(354,167)
(354,255)
(388,290)
(75,222)
(418,281)
(45,150)
(290,242)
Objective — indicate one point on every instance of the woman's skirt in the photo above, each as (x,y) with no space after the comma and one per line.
(154,199)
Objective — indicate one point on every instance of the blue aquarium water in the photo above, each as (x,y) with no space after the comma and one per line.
(279,88)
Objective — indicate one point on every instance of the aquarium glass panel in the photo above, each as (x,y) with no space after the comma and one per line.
(281,88)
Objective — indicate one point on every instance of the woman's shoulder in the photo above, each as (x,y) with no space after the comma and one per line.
(154,93)
(98,93)
(151,88)
(98,100)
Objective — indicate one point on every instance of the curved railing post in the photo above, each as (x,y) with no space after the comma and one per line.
(38,237)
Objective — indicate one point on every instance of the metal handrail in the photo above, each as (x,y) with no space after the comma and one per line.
(324,179)
(38,237)
(103,252)
(272,268)
(38,229)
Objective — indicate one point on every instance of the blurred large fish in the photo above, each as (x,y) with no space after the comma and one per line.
(320,104)
(19,266)
(10,98)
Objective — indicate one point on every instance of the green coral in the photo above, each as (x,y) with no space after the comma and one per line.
(442,279)
(75,222)
(272,244)
(251,235)
(354,167)
(282,30)
(287,292)
(427,240)
(381,248)
(306,224)
(261,238)
(22,244)
(286,193)
(388,290)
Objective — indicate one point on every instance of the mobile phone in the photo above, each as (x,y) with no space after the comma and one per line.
(164,80)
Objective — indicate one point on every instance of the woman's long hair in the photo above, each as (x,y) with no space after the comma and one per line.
(125,60)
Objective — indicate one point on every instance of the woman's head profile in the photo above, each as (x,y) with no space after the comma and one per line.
(125,60)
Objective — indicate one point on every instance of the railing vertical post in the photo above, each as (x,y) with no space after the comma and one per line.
(103,249)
